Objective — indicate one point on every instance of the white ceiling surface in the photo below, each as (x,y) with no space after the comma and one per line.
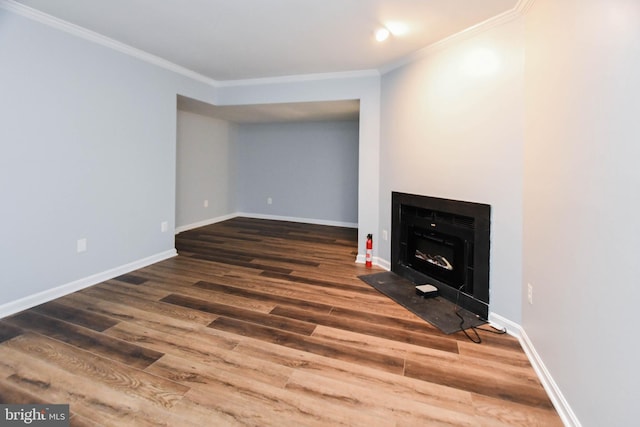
(246,39)
(269,113)
(230,40)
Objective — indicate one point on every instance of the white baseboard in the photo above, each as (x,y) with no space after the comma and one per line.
(382,263)
(62,290)
(209,221)
(296,219)
(500,322)
(553,391)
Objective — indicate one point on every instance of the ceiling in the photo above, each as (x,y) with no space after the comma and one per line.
(269,113)
(246,39)
(230,40)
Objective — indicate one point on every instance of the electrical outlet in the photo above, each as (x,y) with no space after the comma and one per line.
(81,245)
(206,203)
(385,237)
(164,226)
(269,200)
(530,293)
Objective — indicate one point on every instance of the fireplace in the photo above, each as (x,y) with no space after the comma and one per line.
(444,243)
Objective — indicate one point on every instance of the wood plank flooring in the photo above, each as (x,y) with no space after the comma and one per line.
(260,323)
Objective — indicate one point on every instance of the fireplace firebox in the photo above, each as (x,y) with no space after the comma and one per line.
(444,243)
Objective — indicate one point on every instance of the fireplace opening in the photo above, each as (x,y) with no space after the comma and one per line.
(444,243)
(436,254)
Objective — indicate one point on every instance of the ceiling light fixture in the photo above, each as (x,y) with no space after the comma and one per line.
(382,34)
(397,28)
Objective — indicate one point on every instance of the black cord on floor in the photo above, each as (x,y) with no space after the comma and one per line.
(475,329)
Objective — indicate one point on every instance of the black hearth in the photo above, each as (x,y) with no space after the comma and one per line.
(444,243)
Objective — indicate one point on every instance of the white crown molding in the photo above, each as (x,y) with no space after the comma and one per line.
(94,37)
(62,290)
(523,6)
(519,10)
(299,78)
(565,412)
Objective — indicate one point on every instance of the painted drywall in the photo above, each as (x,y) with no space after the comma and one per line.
(365,88)
(581,202)
(88,151)
(452,127)
(309,170)
(206,169)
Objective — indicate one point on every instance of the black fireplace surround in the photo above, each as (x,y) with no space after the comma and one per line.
(444,243)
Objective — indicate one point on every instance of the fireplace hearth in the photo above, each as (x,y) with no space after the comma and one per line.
(444,243)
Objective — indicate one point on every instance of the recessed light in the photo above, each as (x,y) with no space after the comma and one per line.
(382,34)
(397,28)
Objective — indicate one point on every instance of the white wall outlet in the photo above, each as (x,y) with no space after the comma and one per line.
(269,200)
(530,293)
(81,245)
(164,226)
(385,236)
(206,203)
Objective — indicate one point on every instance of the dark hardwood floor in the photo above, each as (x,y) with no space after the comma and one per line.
(260,323)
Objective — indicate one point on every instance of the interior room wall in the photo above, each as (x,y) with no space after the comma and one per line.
(364,87)
(452,127)
(88,152)
(206,169)
(581,202)
(309,170)
(100,161)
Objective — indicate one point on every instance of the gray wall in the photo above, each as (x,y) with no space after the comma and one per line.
(363,86)
(581,202)
(88,151)
(452,127)
(310,170)
(206,169)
